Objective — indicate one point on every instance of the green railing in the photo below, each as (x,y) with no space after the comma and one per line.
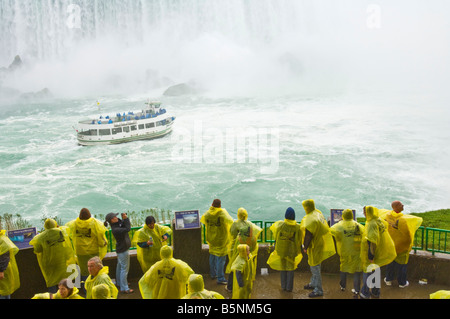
(436,240)
(429,239)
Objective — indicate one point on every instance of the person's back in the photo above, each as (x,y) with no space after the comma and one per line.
(196,289)
(348,234)
(217,222)
(321,245)
(376,233)
(166,279)
(401,228)
(288,240)
(88,236)
(9,272)
(54,252)
(244,269)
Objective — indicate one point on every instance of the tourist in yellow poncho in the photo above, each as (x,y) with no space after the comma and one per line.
(101,292)
(318,244)
(402,229)
(377,250)
(148,241)
(242,231)
(67,291)
(196,289)
(348,235)
(9,273)
(99,274)
(166,279)
(287,253)
(440,294)
(244,271)
(217,223)
(54,253)
(88,239)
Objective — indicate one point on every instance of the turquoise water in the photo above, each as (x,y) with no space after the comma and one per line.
(341,151)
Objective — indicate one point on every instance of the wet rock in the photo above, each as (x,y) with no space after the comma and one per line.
(180,89)
(37,96)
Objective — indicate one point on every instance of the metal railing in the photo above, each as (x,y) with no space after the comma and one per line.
(436,240)
(429,239)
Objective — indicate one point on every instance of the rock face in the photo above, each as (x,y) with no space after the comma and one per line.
(40,95)
(17,63)
(7,93)
(180,89)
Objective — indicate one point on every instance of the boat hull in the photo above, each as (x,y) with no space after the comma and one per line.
(127,139)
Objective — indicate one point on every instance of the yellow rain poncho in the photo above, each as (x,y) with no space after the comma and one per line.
(44,295)
(196,289)
(101,292)
(244,263)
(288,241)
(322,244)
(217,223)
(88,240)
(73,295)
(242,231)
(150,255)
(440,294)
(54,252)
(101,278)
(11,280)
(376,232)
(348,235)
(402,229)
(166,279)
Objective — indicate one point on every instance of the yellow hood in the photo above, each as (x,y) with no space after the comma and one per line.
(309,206)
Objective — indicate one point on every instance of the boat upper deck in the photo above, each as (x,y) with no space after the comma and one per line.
(153,111)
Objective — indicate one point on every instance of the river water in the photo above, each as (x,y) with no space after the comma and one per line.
(261,154)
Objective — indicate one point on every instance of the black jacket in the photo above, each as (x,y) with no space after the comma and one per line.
(120,232)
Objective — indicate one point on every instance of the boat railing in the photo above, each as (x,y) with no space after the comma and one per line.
(130,116)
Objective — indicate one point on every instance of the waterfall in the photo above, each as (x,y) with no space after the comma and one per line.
(85,46)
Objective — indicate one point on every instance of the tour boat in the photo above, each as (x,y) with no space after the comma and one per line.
(151,122)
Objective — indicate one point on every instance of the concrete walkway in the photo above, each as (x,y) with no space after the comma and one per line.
(268,287)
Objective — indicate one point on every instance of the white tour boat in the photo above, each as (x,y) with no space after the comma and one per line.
(149,123)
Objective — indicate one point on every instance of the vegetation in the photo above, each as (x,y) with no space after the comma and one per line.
(137,219)
(434,219)
(13,222)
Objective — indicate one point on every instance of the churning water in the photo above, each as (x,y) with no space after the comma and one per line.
(345,103)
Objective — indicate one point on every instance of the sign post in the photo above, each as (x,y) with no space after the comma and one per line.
(336,215)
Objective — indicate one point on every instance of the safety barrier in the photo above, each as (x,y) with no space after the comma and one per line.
(429,239)
(436,240)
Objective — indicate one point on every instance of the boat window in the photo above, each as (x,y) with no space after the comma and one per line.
(117,130)
(90,133)
(105,131)
(141,126)
(126,129)
(149,125)
(133,127)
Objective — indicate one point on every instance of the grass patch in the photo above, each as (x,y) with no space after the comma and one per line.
(434,219)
